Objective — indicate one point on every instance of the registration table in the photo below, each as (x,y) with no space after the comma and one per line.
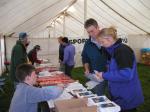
(48,77)
(77,90)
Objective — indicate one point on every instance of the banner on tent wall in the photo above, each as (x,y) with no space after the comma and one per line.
(83,40)
(78,41)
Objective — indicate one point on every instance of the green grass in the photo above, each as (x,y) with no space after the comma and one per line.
(77,74)
(144,75)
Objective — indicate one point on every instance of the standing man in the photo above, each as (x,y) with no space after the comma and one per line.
(18,55)
(32,55)
(61,54)
(69,53)
(92,54)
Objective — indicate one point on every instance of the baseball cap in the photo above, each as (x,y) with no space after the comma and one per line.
(22,35)
(37,47)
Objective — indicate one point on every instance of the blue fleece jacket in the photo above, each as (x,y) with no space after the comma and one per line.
(26,97)
(122,76)
(93,55)
(69,54)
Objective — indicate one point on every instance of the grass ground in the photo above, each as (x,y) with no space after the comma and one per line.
(144,75)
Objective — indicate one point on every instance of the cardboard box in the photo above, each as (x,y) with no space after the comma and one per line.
(74,105)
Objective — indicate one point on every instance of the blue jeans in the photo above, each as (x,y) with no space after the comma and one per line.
(100,88)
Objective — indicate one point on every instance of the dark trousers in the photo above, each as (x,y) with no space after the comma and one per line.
(68,69)
(101,88)
(43,107)
(130,110)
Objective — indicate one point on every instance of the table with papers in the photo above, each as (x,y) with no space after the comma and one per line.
(102,102)
(76,90)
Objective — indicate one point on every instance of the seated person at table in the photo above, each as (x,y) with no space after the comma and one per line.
(26,96)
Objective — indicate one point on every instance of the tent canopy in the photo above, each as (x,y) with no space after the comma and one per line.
(44,18)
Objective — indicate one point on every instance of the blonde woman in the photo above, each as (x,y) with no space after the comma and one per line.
(124,85)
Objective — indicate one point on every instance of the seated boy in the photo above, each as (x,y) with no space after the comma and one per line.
(26,96)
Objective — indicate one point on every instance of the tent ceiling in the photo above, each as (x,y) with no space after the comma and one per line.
(127,16)
(33,16)
(132,12)
(25,15)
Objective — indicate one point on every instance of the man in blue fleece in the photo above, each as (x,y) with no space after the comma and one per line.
(93,56)
(26,96)
(124,85)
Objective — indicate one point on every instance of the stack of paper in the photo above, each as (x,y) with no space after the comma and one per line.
(91,84)
(85,94)
(92,77)
(66,94)
(104,104)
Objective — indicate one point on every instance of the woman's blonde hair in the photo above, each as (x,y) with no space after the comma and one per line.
(111,31)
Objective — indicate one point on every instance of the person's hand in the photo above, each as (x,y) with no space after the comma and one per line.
(86,72)
(61,86)
(99,76)
(36,84)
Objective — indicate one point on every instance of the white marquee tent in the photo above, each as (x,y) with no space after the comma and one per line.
(45,20)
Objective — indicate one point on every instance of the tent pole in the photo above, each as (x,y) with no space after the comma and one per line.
(85,13)
(54,31)
(5,47)
(64,24)
(49,33)
(5,52)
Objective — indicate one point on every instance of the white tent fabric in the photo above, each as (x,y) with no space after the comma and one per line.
(27,15)
(33,16)
(128,17)
(45,20)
